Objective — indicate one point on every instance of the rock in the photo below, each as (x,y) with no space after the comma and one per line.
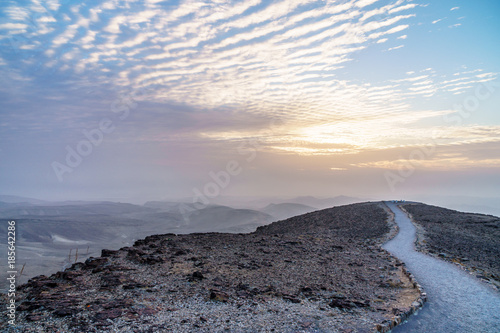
(71,275)
(306,290)
(76,267)
(341,304)
(196,276)
(28,306)
(306,324)
(34,317)
(219,296)
(243,286)
(92,262)
(338,295)
(133,285)
(64,312)
(180,252)
(119,303)
(146,311)
(395,283)
(114,280)
(108,253)
(100,324)
(108,314)
(292,298)
(362,304)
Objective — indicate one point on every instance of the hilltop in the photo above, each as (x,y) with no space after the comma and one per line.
(323,271)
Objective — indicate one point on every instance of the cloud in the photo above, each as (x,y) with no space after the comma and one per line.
(53,4)
(412,79)
(66,36)
(114,24)
(271,12)
(436,21)
(454,8)
(364,3)
(487,75)
(17,13)
(390,31)
(395,48)
(258,59)
(46,19)
(401,8)
(12,26)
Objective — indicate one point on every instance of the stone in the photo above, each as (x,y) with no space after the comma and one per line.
(108,314)
(340,304)
(34,317)
(108,253)
(219,296)
(196,276)
(92,262)
(28,306)
(64,312)
(292,299)
(146,311)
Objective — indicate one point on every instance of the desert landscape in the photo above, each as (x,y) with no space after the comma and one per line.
(323,271)
(249,166)
(53,235)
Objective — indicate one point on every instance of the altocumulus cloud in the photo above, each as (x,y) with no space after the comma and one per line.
(244,60)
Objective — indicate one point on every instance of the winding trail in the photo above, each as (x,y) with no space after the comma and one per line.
(456,301)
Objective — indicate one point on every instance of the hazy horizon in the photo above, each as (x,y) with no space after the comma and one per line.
(136,101)
(483,205)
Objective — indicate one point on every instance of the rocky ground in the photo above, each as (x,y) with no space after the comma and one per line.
(469,240)
(319,272)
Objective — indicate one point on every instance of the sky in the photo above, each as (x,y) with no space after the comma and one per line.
(154,100)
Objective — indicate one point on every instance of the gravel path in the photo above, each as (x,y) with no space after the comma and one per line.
(467,239)
(457,302)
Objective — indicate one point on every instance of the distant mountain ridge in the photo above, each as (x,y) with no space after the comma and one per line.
(286,210)
(18,199)
(322,203)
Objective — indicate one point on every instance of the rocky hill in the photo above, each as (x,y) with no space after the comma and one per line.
(322,271)
(50,235)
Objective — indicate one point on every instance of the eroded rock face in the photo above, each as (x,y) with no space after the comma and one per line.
(323,270)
